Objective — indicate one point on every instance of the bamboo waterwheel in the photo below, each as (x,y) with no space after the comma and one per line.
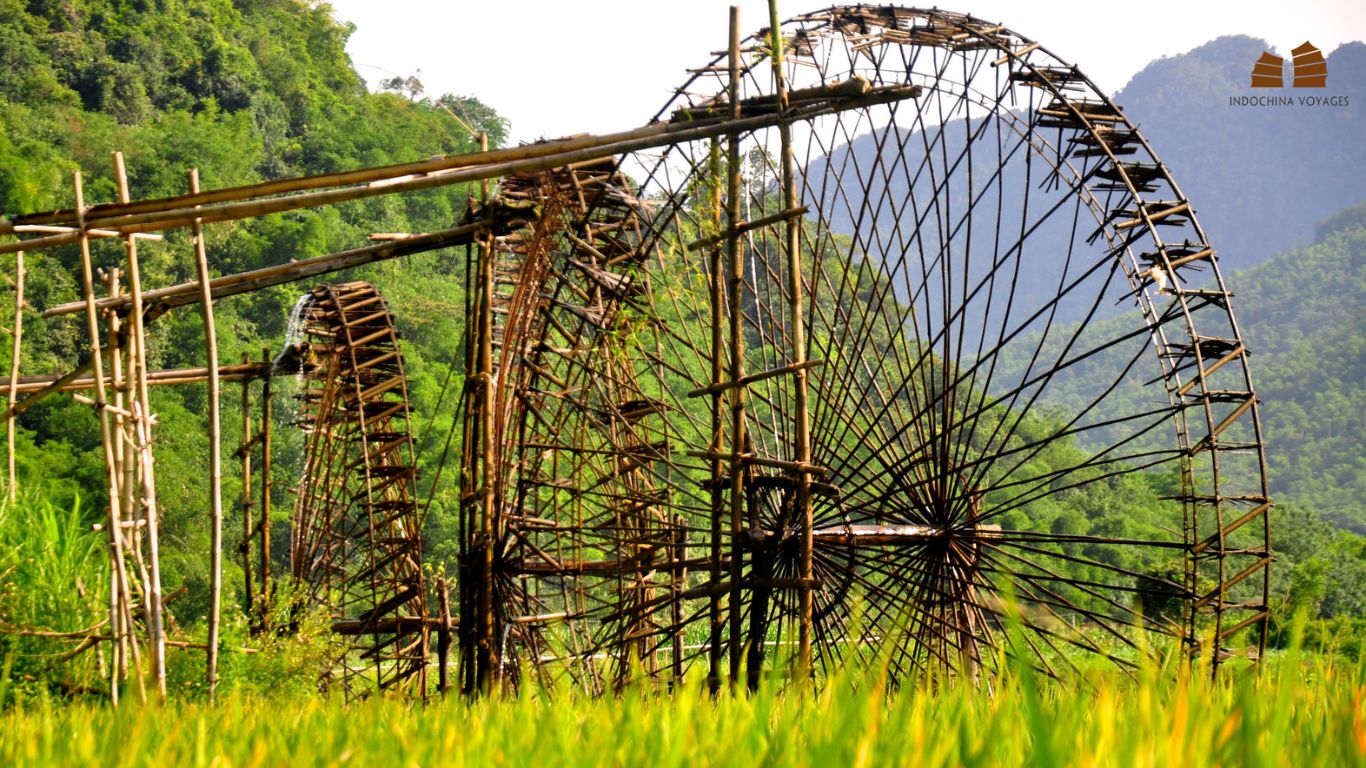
(939,352)
(356,543)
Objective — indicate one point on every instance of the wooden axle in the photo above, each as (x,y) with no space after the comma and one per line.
(885,535)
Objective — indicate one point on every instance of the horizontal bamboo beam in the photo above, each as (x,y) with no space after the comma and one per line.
(754,378)
(748,226)
(168,376)
(57,384)
(230,285)
(242,202)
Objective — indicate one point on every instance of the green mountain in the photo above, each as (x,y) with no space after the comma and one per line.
(1304,316)
(247,90)
(1259,177)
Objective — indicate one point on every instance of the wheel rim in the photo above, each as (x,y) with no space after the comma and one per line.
(948,493)
(356,544)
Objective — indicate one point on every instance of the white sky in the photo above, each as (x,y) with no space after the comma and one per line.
(559,67)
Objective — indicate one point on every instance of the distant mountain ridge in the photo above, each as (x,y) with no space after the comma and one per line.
(1258,177)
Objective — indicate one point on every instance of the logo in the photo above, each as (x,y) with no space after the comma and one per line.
(1309,68)
(1311,71)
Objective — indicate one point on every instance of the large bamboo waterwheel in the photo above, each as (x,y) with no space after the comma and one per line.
(356,543)
(1003,315)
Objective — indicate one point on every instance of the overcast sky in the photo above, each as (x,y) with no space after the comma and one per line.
(559,67)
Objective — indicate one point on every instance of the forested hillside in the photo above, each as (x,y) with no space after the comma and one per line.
(245,90)
(1259,177)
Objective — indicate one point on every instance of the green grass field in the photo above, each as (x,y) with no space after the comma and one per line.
(1296,712)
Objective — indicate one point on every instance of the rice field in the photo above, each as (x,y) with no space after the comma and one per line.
(1295,712)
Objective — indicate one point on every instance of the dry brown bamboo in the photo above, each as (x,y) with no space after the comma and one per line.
(119,577)
(649,137)
(343,178)
(254,370)
(142,417)
(56,385)
(797,323)
(735,291)
(18,336)
(264,529)
(244,282)
(215,451)
(120,419)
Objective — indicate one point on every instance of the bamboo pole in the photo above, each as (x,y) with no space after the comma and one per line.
(486,639)
(263,530)
(142,417)
(246,494)
(56,385)
(166,377)
(114,536)
(536,157)
(718,435)
(443,637)
(123,632)
(736,287)
(18,336)
(215,450)
(279,274)
(797,321)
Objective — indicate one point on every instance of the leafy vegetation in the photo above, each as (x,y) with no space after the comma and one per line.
(249,90)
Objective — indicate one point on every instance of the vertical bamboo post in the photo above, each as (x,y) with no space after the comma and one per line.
(735,279)
(468,482)
(718,431)
(247,502)
(122,634)
(797,323)
(486,639)
(679,586)
(18,336)
(264,529)
(114,519)
(117,383)
(215,447)
(443,637)
(143,423)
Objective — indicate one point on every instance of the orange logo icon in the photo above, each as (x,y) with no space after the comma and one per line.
(1309,67)
(1311,71)
(1266,72)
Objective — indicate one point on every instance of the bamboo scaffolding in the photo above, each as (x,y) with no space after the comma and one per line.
(801,413)
(279,274)
(717,444)
(487,658)
(735,279)
(215,450)
(245,453)
(263,530)
(172,213)
(142,418)
(170,376)
(127,645)
(120,592)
